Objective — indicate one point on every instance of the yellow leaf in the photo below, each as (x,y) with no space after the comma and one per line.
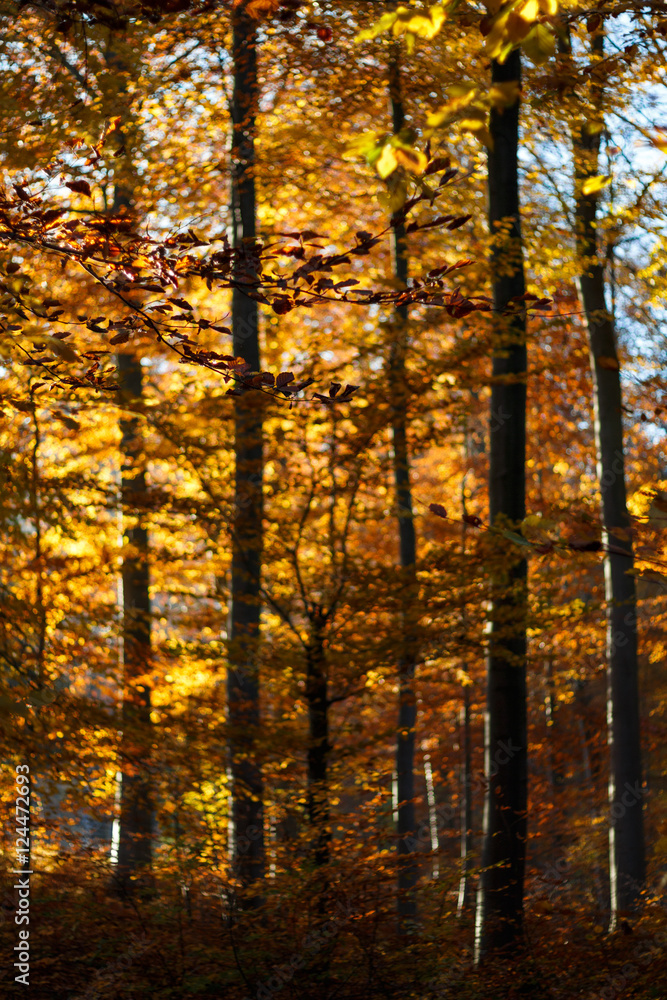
(429,26)
(412,159)
(521,21)
(496,40)
(461,96)
(479,130)
(504,95)
(651,503)
(594,184)
(393,200)
(540,44)
(58,347)
(387,162)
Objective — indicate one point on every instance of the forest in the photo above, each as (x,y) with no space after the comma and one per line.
(333,483)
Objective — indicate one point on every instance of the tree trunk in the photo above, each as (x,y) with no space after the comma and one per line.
(318,747)
(465,888)
(626,829)
(136,799)
(407,708)
(500,900)
(245,601)
(136,806)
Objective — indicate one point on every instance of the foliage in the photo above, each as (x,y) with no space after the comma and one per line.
(80,281)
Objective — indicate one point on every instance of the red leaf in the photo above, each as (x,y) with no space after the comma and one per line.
(437,509)
(472,519)
(435,166)
(456,223)
(281,305)
(51,215)
(284,379)
(120,338)
(79,187)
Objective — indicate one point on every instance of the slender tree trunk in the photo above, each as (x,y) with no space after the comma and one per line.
(245,602)
(136,799)
(465,888)
(136,806)
(626,830)
(500,900)
(407,707)
(601,896)
(318,747)
(465,900)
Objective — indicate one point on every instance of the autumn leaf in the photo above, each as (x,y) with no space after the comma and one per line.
(387,162)
(611,364)
(595,184)
(79,187)
(437,509)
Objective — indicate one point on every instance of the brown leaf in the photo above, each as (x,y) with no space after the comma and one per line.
(437,509)
(120,338)
(49,217)
(282,304)
(585,544)
(79,187)
(438,164)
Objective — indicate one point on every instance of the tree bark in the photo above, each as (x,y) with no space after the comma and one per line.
(245,601)
(135,835)
(318,746)
(465,888)
(407,708)
(626,829)
(500,899)
(136,805)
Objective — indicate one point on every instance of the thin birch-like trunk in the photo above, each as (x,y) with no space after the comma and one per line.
(407,708)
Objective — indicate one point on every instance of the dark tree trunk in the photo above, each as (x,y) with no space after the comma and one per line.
(500,900)
(136,806)
(626,830)
(407,707)
(135,842)
(245,601)
(318,747)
